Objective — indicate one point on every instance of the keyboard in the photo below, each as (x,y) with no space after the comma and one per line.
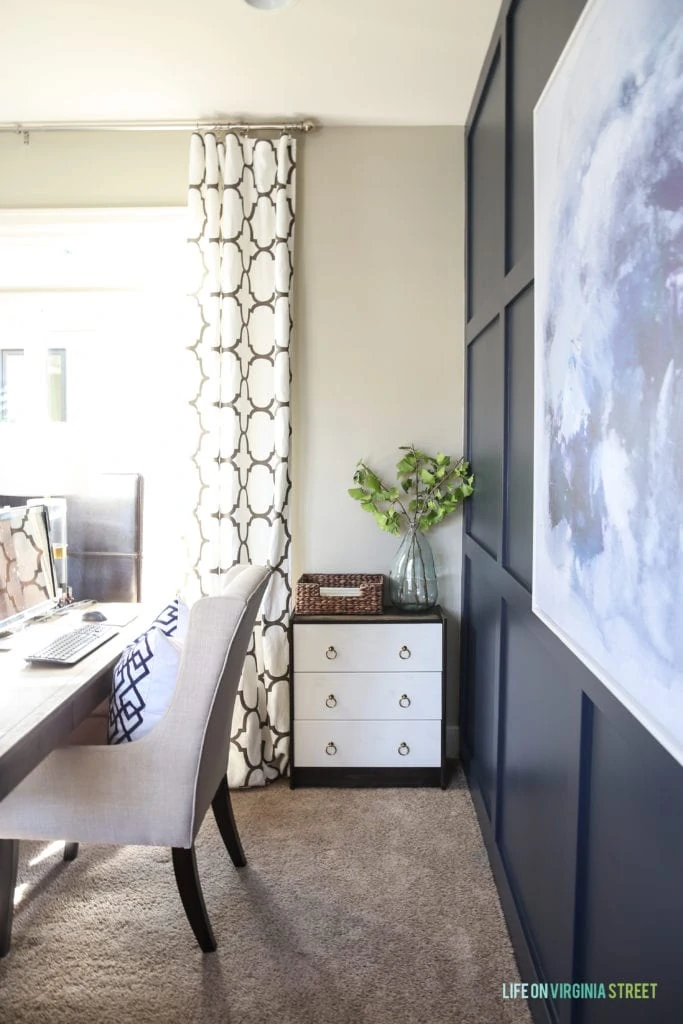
(72,647)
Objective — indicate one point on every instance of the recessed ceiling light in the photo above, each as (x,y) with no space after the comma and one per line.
(270,5)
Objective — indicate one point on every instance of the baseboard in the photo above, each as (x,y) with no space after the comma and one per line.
(452,742)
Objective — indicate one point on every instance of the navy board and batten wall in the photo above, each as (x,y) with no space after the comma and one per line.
(581,808)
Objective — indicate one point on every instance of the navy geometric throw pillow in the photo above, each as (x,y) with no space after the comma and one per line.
(145,675)
(172,618)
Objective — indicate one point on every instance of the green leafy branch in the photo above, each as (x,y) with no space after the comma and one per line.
(429,488)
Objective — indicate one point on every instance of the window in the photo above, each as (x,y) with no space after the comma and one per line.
(16,383)
(12,383)
(56,385)
(92,307)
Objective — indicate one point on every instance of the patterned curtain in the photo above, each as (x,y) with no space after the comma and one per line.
(241,239)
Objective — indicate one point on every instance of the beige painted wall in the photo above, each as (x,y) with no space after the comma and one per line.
(379,345)
(379,352)
(72,169)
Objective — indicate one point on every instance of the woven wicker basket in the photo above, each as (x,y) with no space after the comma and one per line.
(309,600)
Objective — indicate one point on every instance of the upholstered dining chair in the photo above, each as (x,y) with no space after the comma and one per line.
(154,791)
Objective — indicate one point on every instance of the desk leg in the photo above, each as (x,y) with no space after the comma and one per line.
(9,858)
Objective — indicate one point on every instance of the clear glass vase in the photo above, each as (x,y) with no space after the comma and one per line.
(412,579)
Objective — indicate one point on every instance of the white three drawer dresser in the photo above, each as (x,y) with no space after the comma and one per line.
(368,699)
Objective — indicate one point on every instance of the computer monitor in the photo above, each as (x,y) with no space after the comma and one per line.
(28,586)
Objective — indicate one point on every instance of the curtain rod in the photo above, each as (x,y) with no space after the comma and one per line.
(26,127)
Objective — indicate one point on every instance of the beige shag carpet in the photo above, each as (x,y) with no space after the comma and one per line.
(358,906)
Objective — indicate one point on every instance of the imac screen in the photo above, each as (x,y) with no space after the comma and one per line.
(27,575)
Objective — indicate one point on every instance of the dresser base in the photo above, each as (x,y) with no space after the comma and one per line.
(367,777)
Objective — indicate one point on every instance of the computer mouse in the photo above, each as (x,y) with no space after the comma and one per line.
(94,616)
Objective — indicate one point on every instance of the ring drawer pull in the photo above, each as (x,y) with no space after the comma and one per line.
(331,701)
(403,749)
(404,701)
(330,749)
(404,653)
(330,653)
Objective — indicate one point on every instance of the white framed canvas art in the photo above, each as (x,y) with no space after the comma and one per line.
(608,431)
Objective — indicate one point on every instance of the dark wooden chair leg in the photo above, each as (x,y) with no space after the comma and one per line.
(185,867)
(222,811)
(9,859)
(70,851)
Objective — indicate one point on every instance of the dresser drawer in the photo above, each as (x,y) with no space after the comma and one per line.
(363,647)
(331,696)
(369,744)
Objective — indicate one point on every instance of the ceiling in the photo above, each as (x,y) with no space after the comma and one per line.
(355,62)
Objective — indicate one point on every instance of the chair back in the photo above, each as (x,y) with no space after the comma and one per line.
(195,730)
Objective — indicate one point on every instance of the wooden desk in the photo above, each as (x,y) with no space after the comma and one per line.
(41,706)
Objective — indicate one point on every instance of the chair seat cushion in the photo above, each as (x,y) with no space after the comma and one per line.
(145,676)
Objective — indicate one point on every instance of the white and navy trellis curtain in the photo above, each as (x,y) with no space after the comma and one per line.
(241,208)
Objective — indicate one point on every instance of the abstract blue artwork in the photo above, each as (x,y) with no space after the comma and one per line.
(608,446)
